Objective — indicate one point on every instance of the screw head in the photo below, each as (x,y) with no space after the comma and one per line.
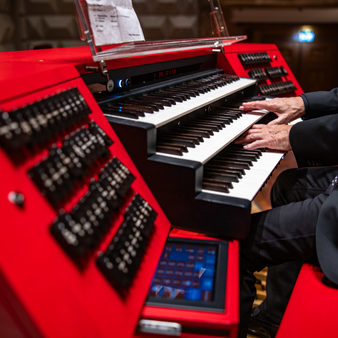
(110,86)
(16,198)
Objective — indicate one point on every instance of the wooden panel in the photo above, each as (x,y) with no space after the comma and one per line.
(51,23)
(280,3)
(7,27)
(168,19)
(285,15)
(318,69)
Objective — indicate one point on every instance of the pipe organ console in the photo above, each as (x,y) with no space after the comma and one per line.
(81,232)
(179,120)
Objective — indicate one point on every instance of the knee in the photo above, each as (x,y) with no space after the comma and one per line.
(280,191)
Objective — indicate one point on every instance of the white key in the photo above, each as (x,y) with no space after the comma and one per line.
(180,109)
(254,178)
(215,143)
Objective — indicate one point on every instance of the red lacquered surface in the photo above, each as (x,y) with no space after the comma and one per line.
(40,286)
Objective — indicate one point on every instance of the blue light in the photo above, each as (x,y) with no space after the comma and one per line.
(119,83)
(306,35)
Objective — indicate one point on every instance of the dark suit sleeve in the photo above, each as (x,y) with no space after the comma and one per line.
(320,103)
(316,140)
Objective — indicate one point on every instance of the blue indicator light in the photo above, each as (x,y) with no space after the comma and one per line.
(119,83)
(306,35)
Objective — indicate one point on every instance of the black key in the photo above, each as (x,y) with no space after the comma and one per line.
(182,137)
(220,177)
(169,149)
(231,164)
(215,186)
(176,142)
(225,157)
(198,131)
(211,168)
(186,133)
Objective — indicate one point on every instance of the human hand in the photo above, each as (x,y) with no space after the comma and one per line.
(287,109)
(274,137)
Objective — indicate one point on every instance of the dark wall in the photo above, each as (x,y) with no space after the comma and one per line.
(32,24)
(314,64)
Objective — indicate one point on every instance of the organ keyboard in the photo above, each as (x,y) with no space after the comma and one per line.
(170,106)
(211,138)
(176,127)
(239,173)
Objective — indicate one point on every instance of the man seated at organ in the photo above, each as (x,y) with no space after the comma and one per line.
(300,226)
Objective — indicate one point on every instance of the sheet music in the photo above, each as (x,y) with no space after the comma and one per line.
(114,21)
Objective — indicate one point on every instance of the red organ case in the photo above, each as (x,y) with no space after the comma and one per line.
(81,232)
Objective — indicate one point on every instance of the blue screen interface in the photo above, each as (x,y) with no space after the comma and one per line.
(185,271)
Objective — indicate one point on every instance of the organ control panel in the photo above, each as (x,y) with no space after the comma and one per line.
(83,226)
(266,64)
(81,232)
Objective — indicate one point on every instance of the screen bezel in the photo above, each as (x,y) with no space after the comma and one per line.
(218,302)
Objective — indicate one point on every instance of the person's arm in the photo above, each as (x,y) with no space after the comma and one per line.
(286,109)
(316,140)
(308,106)
(320,103)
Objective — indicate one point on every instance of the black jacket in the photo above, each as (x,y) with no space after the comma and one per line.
(316,139)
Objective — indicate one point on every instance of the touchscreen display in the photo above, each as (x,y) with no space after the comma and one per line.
(187,273)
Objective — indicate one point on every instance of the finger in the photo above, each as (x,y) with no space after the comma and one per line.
(253,105)
(274,122)
(245,139)
(249,138)
(252,134)
(257,127)
(255,132)
(256,144)
(255,135)
(240,141)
